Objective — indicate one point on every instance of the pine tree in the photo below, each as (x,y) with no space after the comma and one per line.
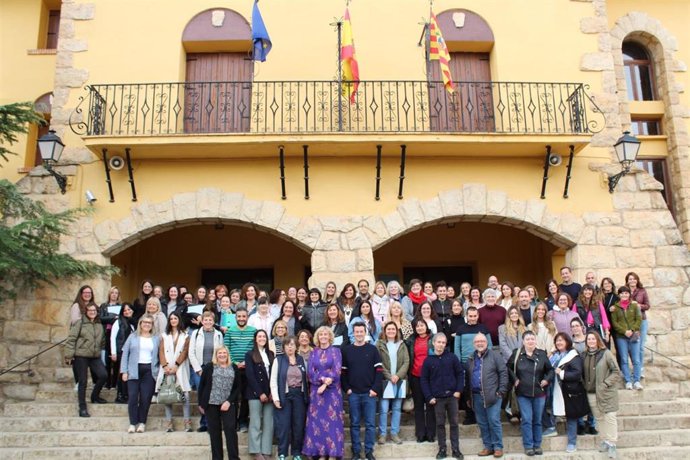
(15,119)
(29,233)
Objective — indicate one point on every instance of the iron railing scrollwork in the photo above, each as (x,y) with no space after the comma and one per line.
(382,106)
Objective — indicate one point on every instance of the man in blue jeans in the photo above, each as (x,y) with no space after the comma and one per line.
(488,384)
(361,380)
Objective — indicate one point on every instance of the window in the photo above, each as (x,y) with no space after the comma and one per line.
(53,29)
(646,127)
(658,170)
(638,72)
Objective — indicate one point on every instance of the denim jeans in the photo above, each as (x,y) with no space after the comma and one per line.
(548,420)
(571,429)
(362,406)
(643,340)
(632,350)
(531,410)
(396,406)
(489,421)
(288,422)
(195,379)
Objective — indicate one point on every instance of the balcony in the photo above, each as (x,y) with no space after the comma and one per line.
(509,114)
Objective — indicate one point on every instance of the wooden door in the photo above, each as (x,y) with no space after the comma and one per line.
(470,107)
(217,93)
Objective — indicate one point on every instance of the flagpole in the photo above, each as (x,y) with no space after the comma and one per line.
(340,76)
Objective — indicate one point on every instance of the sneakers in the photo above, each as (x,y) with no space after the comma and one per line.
(638,386)
(628,386)
(612,451)
(441,454)
(529,452)
(604,446)
(549,433)
(538,451)
(141,428)
(396,439)
(281,457)
(296,457)
(382,439)
(571,449)
(243,428)
(131,429)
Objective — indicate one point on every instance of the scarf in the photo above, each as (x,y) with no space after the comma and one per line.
(417,298)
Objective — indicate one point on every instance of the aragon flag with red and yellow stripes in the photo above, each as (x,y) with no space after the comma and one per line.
(438,51)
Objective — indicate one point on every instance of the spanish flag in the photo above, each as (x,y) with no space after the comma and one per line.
(348,59)
(438,51)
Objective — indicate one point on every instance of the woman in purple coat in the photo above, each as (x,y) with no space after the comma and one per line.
(324,436)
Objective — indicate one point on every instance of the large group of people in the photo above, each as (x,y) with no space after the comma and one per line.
(279,365)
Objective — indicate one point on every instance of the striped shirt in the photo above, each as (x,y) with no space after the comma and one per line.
(239,342)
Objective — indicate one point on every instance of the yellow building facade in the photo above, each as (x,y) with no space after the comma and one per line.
(198,132)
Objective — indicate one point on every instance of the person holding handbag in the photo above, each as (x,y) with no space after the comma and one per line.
(83,351)
(395,359)
(174,370)
(569,395)
(627,320)
(219,389)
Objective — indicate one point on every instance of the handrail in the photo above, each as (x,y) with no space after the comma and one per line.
(667,357)
(5,371)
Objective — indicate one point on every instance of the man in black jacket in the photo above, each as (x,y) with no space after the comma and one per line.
(362,376)
(488,384)
(443,380)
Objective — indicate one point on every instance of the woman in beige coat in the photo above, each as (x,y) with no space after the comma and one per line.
(601,377)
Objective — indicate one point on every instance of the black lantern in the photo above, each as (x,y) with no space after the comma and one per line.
(51,147)
(626,148)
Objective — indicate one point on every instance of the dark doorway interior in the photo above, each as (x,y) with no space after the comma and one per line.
(451,275)
(236,277)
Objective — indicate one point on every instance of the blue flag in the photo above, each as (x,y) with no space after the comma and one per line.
(260,38)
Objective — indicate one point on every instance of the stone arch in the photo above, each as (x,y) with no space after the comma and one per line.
(205,206)
(661,44)
(474,203)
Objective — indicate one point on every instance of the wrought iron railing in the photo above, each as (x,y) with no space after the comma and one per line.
(264,107)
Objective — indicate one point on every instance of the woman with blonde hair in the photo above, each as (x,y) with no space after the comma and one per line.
(397,315)
(510,333)
(544,328)
(279,335)
(160,321)
(139,365)
(219,390)
(173,355)
(380,303)
(324,434)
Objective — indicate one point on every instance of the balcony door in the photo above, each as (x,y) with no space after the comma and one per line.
(470,108)
(218,93)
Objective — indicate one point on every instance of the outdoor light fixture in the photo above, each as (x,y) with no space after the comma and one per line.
(626,149)
(51,147)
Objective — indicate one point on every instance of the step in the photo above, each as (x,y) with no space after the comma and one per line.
(399,453)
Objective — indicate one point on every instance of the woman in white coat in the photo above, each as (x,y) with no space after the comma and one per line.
(202,343)
(173,352)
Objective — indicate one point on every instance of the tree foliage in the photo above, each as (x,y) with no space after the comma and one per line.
(15,119)
(30,243)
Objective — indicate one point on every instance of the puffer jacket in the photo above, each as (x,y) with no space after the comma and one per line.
(531,370)
(86,339)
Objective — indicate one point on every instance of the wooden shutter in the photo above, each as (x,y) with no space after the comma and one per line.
(470,108)
(218,92)
(53,29)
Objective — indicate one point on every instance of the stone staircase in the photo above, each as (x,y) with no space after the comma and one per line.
(653,424)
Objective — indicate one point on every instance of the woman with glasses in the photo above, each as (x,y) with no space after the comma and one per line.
(139,365)
(83,351)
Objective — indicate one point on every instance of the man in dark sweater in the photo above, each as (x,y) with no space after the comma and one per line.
(492,315)
(361,379)
(464,347)
(443,380)
(526,307)
(568,285)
